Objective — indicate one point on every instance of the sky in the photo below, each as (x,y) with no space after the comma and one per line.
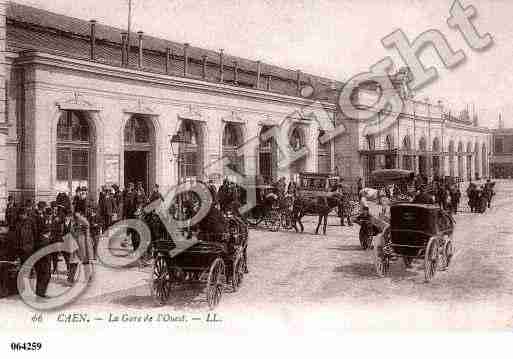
(337,39)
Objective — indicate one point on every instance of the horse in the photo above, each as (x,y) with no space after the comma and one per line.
(319,205)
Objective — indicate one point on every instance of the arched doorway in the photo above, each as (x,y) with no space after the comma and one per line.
(407,158)
(460,160)
(422,156)
(232,140)
(324,154)
(139,153)
(75,158)
(267,156)
(484,161)
(190,164)
(451,158)
(389,157)
(436,157)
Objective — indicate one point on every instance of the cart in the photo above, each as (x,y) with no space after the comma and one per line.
(208,265)
(416,232)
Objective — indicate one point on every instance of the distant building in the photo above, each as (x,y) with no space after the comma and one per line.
(502,153)
(424,138)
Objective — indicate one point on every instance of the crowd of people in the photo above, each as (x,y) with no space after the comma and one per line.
(32,226)
(447,194)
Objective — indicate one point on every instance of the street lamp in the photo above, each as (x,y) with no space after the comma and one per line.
(176,140)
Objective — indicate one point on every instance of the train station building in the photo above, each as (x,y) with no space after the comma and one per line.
(83,108)
(85,104)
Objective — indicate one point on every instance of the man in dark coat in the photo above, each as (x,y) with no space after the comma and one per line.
(26,234)
(156,195)
(212,226)
(455,198)
(10,213)
(42,266)
(106,209)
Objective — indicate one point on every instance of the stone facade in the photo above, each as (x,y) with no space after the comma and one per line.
(47,85)
(426,139)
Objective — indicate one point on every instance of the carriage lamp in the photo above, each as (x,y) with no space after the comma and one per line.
(176,140)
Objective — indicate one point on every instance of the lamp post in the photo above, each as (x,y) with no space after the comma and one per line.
(176,142)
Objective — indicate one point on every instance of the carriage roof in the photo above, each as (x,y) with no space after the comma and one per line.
(413,216)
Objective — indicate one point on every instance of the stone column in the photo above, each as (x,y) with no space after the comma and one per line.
(3,117)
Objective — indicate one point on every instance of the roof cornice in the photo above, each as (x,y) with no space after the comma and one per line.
(45,59)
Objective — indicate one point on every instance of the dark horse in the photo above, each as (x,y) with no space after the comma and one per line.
(319,205)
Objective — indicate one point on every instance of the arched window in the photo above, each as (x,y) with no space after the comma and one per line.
(268,155)
(422,144)
(72,126)
(137,131)
(324,154)
(436,145)
(296,139)
(389,143)
(232,140)
(73,151)
(406,143)
(371,142)
(191,150)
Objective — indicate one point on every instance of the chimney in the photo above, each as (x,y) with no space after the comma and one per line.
(185,59)
(501,124)
(92,29)
(204,67)
(124,57)
(140,57)
(236,72)
(168,60)
(259,71)
(298,82)
(221,65)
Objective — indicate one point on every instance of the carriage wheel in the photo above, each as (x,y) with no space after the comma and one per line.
(160,281)
(431,259)
(407,261)
(382,262)
(238,273)
(446,255)
(355,209)
(215,283)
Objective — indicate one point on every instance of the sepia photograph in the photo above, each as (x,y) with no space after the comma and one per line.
(258,168)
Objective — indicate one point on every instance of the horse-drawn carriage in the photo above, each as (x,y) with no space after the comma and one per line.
(208,261)
(416,231)
(271,210)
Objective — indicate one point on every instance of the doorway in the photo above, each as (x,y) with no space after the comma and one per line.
(422,165)
(136,168)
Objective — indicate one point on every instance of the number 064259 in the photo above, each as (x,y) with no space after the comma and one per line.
(29,346)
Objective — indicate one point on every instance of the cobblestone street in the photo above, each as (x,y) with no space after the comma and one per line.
(301,277)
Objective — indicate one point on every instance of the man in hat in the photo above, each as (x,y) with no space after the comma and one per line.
(155,194)
(42,266)
(10,213)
